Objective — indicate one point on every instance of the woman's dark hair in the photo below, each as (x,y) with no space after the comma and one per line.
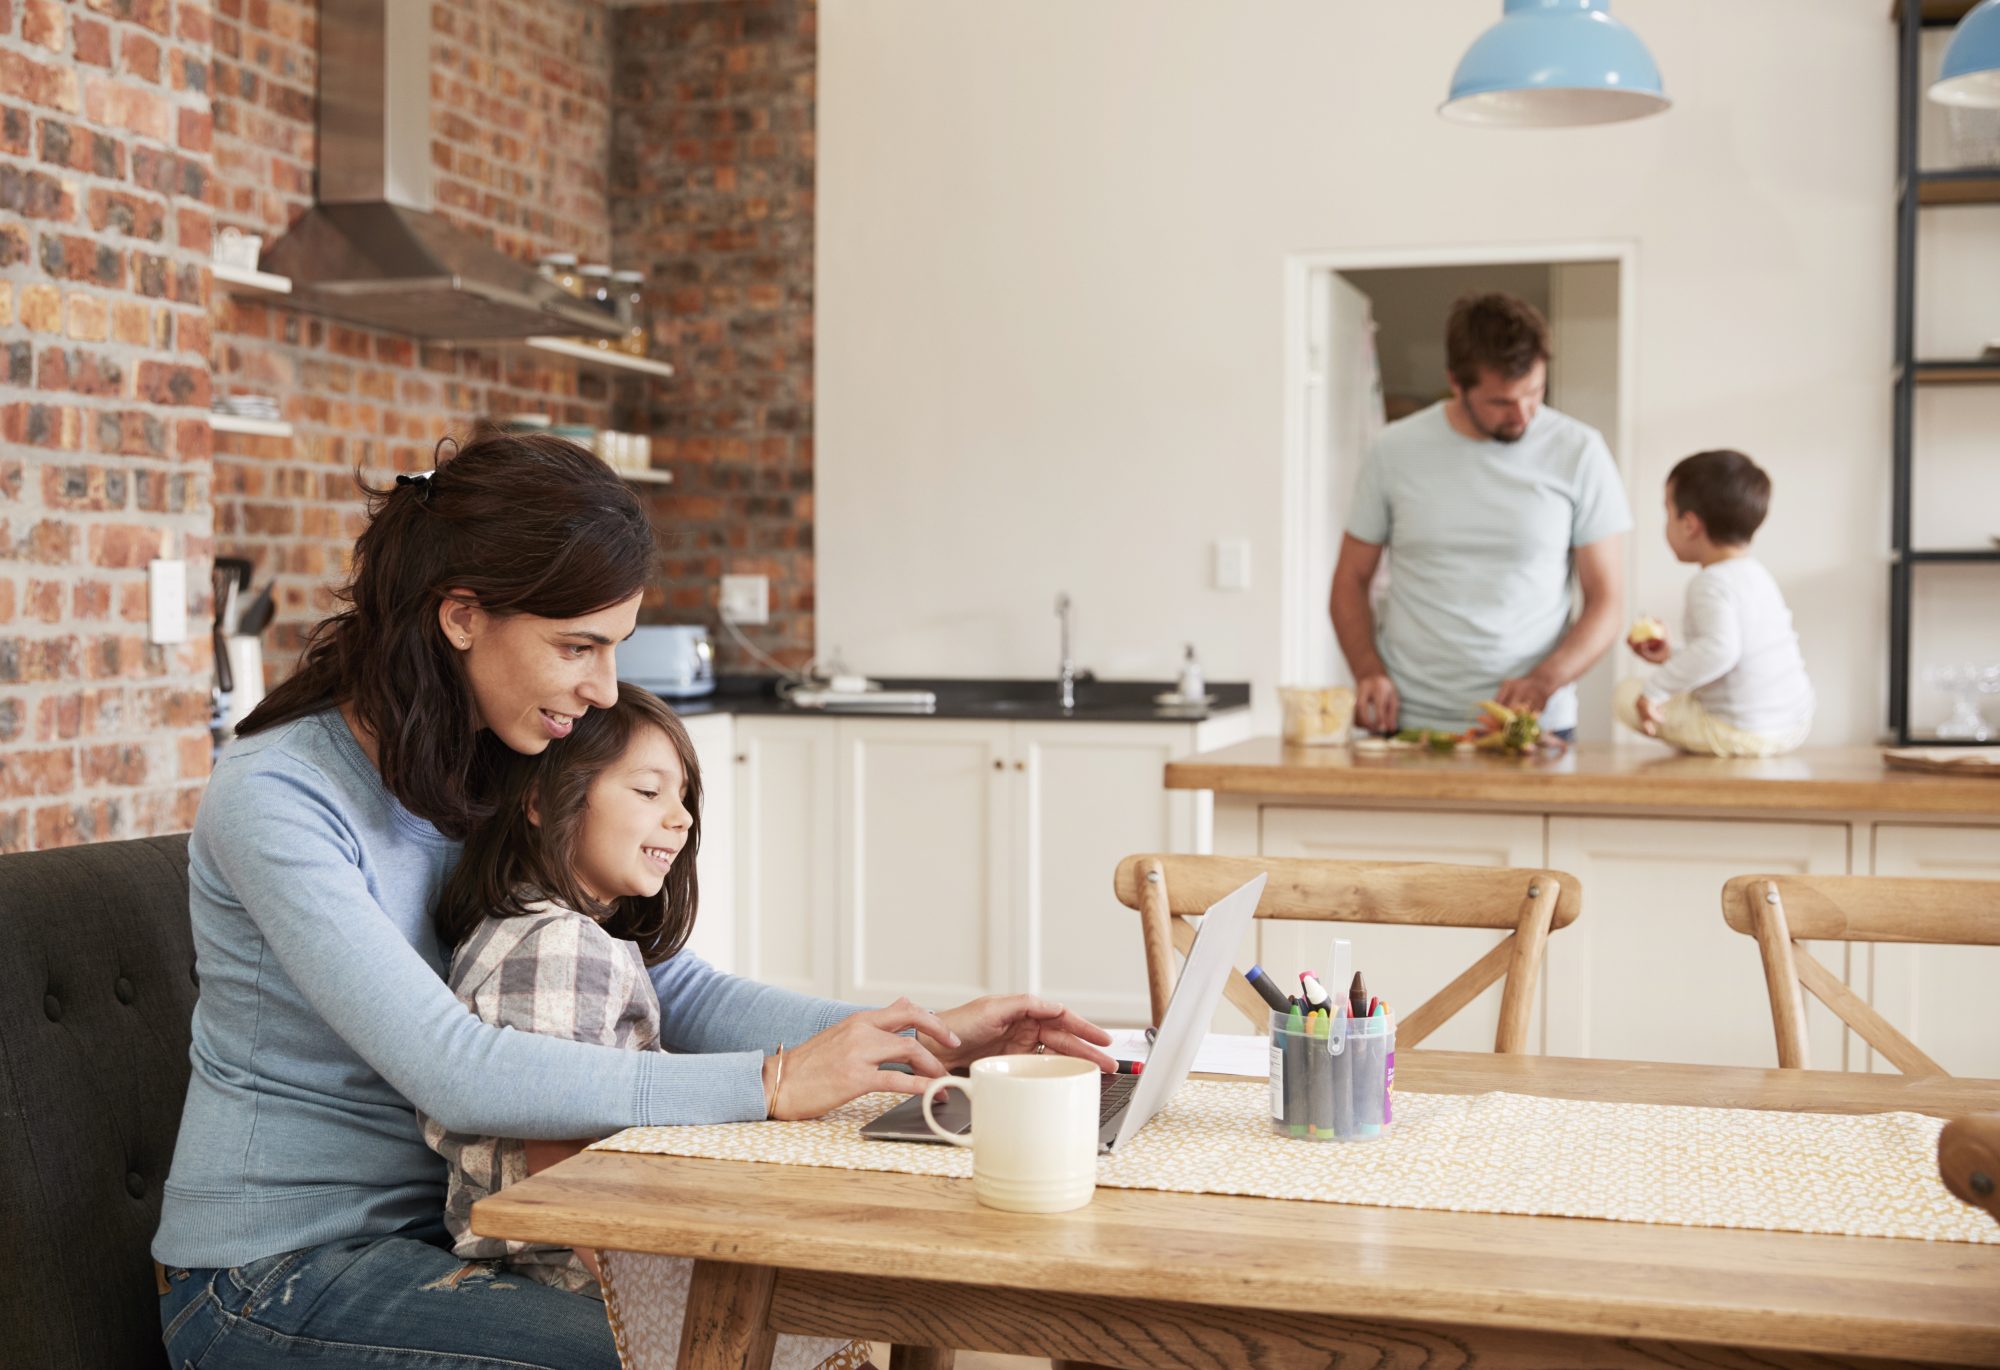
(526,524)
(1493,332)
(510,862)
(1726,490)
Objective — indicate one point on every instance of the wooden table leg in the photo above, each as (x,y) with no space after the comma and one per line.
(728,1321)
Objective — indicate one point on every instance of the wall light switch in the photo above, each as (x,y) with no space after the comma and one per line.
(1232,564)
(167,598)
(746,599)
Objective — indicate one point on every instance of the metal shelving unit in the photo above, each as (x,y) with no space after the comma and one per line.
(1918,189)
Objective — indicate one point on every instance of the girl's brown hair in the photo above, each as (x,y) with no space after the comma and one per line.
(510,862)
(527,524)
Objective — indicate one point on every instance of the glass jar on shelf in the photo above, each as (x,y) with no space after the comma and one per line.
(560,267)
(597,291)
(633,311)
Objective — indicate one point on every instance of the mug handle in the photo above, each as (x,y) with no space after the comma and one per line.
(931,1087)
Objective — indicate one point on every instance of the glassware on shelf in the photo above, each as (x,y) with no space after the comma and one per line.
(632,311)
(560,267)
(596,277)
(1964,683)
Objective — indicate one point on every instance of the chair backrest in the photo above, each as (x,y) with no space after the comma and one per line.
(1781,911)
(96,995)
(1167,890)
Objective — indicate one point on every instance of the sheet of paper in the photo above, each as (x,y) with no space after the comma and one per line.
(1222,1053)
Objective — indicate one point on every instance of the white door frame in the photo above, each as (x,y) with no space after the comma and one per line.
(1301,603)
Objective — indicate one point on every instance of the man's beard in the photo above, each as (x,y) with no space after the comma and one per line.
(1496,434)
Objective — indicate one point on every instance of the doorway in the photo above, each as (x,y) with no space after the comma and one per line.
(1366,347)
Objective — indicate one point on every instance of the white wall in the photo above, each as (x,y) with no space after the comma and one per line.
(1050,248)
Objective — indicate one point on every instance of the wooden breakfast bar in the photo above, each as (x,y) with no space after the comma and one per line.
(1648,971)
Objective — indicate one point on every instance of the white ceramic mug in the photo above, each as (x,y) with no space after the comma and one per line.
(1034,1131)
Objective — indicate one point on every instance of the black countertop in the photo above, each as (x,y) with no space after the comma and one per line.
(1033,701)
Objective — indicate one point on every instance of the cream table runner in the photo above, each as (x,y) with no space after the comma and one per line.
(1862,1175)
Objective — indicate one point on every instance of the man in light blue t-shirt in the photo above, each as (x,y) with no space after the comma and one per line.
(1489,500)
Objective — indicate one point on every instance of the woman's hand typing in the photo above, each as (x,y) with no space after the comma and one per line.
(845,1061)
(1007,1024)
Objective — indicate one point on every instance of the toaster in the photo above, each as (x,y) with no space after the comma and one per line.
(673,660)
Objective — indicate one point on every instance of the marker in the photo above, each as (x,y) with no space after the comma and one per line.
(1266,989)
(1131,1067)
(1357,997)
(1319,1090)
(1297,1063)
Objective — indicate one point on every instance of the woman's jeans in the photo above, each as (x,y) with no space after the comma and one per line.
(402,1302)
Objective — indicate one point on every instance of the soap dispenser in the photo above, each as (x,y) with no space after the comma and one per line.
(1192,688)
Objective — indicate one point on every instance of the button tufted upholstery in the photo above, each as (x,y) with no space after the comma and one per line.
(96,993)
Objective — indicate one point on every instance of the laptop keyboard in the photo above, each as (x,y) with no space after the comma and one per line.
(1117,1089)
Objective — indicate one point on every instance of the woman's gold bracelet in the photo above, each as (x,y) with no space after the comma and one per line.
(777,1083)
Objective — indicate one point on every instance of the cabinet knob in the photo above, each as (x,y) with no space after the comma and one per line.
(742,758)
(999,765)
(1020,765)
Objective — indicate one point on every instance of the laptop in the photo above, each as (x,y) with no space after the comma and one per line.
(1126,1102)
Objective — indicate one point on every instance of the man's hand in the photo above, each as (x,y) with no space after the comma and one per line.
(1530,691)
(1376,703)
(1649,716)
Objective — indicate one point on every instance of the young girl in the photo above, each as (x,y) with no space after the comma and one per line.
(583,879)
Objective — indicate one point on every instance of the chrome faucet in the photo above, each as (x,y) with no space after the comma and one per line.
(1067,676)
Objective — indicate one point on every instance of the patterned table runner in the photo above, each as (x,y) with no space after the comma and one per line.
(1862,1175)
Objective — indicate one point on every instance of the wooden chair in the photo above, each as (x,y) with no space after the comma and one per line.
(1969,1160)
(1784,911)
(1529,904)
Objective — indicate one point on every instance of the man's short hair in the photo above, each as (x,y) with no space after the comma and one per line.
(1493,332)
(1726,490)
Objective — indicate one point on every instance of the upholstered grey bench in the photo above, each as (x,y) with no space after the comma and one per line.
(96,992)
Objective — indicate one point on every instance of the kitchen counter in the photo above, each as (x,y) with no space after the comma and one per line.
(1026,701)
(1593,776)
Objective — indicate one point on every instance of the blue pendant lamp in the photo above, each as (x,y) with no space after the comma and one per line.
(1553,64)
(1970,74)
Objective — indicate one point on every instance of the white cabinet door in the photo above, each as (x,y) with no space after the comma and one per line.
(1941,998)
(786,853)
(1649,971)
(1086,796)
(714,936)
(922,816)
(1404,965)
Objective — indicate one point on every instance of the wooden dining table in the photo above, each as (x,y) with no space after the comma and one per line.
(1142,1278)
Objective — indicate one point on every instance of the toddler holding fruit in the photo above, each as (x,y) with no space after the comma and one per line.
(1737,686)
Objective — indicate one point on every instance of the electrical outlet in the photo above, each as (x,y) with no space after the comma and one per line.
(166,600)
(746,599)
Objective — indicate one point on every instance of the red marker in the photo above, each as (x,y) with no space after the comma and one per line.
(1131,1067)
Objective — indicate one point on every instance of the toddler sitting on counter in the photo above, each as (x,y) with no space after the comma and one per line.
(1737,686)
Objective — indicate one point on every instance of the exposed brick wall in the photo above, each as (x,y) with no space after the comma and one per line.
(130,130)
(712,196)
(104,387)
(520,121)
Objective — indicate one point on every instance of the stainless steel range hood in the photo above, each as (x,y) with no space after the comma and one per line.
(371,250)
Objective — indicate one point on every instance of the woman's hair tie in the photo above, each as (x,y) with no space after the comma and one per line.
(422,480)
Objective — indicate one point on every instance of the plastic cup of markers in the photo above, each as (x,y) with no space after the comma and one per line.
(1332,1079)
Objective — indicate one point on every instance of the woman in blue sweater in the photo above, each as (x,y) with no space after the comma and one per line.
(304,1213)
